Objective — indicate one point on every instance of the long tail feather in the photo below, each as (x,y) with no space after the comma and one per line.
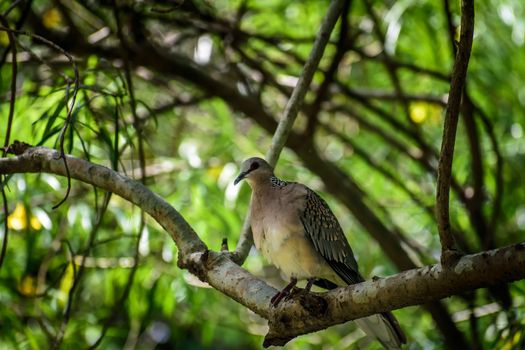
(385,328)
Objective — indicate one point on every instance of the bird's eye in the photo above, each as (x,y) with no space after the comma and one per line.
(254,166)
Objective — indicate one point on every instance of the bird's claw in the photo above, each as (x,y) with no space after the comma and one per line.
(276,299)
(287,295)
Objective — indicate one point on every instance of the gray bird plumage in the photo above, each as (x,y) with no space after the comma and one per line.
(295,229)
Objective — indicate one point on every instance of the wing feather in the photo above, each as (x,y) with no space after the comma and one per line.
(323,229)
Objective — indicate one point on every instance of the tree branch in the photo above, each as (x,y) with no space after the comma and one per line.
(296,100)
(213,82)
(459,74)
(306,312)
(12,100)
(318,311)
(322,92)
(390,68)
(41,159)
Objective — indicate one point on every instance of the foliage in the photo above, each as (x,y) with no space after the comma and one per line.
(208,81)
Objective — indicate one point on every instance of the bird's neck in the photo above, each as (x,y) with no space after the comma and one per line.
(276,182)
(264,183)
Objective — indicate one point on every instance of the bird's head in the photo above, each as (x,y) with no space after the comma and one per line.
(253,169)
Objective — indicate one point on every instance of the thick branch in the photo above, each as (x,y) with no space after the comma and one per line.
(338,183)
(459,74)
(308,312)
(41,159)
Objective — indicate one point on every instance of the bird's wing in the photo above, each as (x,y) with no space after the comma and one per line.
(323,229)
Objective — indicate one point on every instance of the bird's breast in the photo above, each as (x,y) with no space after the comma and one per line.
(279,237)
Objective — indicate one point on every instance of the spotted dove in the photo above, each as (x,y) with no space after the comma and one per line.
(295,230)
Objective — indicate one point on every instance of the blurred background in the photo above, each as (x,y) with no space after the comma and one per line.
(178,93)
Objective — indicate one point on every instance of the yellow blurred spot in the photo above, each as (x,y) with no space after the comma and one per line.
(422,111)
(418,113)
(66,283)
(52,18)
(27,286)
(35,223)
(4,39)
(214,171)
(510,344)
(18,219)
(516,338)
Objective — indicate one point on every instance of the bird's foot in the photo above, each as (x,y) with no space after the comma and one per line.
(297,290)
(276,299)
(293,291)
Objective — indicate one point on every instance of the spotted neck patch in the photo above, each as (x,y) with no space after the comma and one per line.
(276,182)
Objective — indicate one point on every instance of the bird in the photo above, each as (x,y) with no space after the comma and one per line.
(295,229)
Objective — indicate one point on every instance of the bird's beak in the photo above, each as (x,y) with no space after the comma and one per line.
(239,178)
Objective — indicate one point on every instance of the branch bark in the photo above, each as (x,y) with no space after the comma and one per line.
(306,312)
(459,74)
(45,160)
(312,312)
(214,83)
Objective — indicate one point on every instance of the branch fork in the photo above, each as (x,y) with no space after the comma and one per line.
(304,312)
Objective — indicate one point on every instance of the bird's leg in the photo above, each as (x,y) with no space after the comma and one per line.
(276,299)
(309,284)
(296,290)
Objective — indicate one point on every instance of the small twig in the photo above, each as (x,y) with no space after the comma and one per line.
(73,99)
(56,245)
(114,161)
(138,128)
(390,68)
(127,288)
(405,65)
(322,92)
(224,245)
(387,173)
(296,100)
(416,154)
(6,228)
(459,74)
(48,64)
(11,8)
(79,274)
(137,124)
(21,19)
(245,241)
(61,138)
(476,201)
(450,25)
(474,205)
(389,96)
(427,150)
(14,72)
(12,100)
(474,325)
(498,191)
(292,108)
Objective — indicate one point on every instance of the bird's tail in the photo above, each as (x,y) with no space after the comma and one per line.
(385,328)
